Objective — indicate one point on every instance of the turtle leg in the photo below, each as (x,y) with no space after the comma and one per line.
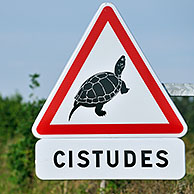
(76,105)
(124,88)
(99,111)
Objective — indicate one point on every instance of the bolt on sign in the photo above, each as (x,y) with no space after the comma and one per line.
(106,101)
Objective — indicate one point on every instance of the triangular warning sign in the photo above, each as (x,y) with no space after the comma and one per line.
(108,89)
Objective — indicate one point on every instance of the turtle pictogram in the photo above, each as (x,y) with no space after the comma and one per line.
(100,89)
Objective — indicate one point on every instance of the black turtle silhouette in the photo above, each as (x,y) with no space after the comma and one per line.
(101,88)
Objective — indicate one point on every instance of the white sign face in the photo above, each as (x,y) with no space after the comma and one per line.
(108,89)
(128,158)
(134,106)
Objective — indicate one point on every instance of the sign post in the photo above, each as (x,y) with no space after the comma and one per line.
(109,117)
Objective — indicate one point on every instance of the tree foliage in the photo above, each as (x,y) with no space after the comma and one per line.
(21,154)
(186,107)
(16,122)
(10,114)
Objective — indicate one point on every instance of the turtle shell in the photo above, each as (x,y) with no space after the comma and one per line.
(100,88)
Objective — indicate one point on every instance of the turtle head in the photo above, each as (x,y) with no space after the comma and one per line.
(120,65)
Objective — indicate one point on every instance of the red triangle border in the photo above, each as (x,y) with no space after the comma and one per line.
(45,128)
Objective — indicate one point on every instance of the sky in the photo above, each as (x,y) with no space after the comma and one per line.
(40,36)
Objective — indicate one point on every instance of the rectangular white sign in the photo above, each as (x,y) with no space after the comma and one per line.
(116,158)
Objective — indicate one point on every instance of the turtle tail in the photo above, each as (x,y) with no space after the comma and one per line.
(76,105)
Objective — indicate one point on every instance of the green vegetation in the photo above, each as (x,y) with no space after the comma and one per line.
(17,154)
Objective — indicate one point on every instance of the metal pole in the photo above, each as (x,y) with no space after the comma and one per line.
(102,186)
